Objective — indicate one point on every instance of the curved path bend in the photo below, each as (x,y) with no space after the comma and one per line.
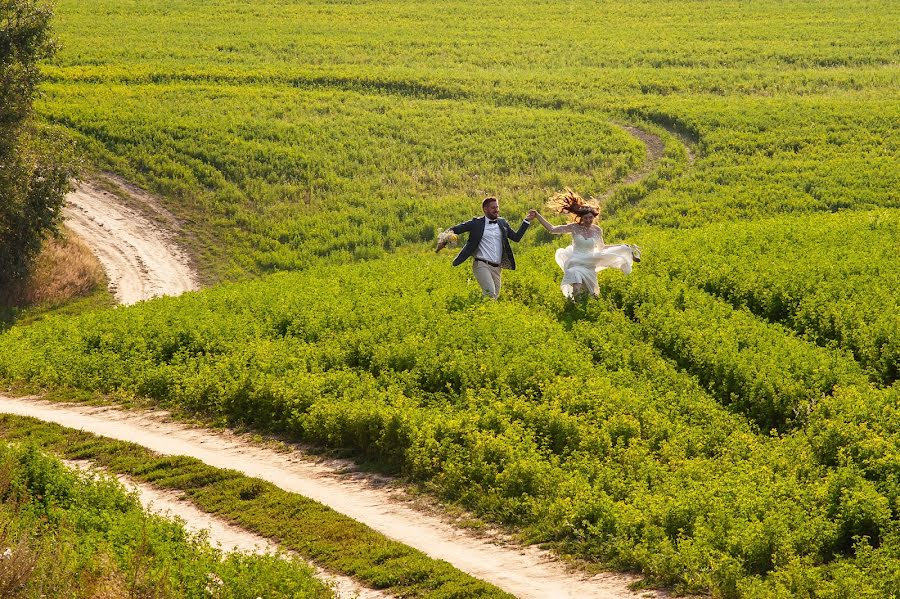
(654,151)
(140,259)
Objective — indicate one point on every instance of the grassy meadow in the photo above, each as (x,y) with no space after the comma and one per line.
(724,420)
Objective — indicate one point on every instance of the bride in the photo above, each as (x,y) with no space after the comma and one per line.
(588,254)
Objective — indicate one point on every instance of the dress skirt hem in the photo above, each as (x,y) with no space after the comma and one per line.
(581,267)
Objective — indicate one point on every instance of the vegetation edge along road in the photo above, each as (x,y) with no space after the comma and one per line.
(195,463)
(220,532)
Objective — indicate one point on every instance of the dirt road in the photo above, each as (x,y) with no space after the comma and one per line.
(139,258)
(225,535)
(526,572)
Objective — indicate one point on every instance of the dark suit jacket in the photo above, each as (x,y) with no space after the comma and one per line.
(475,229)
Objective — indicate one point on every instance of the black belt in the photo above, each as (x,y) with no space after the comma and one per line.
(486,262)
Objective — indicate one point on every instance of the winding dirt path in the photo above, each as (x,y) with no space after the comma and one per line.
(654,151)
(141,260)
(527,572)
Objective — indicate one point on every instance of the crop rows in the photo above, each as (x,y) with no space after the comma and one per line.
(334,174)
(832,278)
(298,147)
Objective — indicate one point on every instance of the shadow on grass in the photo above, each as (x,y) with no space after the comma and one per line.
(23,315)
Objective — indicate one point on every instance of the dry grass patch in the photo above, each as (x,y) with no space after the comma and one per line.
(64,271)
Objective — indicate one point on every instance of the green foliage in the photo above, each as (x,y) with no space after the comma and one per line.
(723,420)
(832,278)
(302,525)
(33,176)
(779,153)
(282,145)
(760,369)
(24,40)
(267,180)
(567,420)
(73,534)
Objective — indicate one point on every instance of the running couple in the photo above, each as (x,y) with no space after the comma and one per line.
(489,237)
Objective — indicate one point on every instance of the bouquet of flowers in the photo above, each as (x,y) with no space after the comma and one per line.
(444,239)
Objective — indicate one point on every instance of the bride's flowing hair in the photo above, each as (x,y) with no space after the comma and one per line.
(570,203)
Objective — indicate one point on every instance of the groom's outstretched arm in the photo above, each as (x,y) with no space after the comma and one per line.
(463,227)
(517,235)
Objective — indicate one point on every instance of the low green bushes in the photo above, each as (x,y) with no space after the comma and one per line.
(640,438)
(759,369)
(70,534)
(832,278)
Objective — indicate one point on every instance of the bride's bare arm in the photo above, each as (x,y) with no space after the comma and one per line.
(555,230)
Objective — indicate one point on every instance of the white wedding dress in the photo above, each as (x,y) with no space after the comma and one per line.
(585,257)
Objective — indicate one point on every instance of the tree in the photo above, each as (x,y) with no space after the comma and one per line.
(34,176)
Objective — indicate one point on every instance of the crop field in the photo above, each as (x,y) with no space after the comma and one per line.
(724,420)
(270,117)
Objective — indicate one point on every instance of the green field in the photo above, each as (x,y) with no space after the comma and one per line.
(724,420)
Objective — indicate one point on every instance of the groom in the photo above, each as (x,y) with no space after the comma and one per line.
(488,244)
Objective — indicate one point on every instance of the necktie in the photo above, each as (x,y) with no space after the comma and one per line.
(493,222)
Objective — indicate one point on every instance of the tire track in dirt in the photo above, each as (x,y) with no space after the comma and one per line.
(140,259)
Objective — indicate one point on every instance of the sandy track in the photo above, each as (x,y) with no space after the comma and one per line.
(220,532)
(653,154)
(526,572)
(140,260)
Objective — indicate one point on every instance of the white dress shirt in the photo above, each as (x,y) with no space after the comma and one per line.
(490,248)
